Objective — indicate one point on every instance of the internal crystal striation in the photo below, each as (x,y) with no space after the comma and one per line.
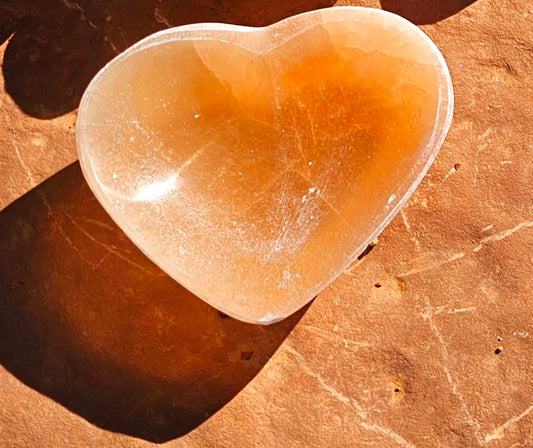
(254,164)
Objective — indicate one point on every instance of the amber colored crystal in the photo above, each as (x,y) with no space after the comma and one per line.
(255,164)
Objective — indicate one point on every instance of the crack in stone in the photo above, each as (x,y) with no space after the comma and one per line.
(75,249)
(25,167)
(75,6)
(160,18)
(432,266)
(489,239)
(330,389)
(427,315)
(45,201)
(405,221)
(348,401)
(498,433)
(387,432)
(502,235)
(444,309)
(348,343)
(99,224)
(108,248)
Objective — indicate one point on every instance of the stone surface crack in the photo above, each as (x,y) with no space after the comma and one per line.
(25,167)
(330,389)
(75,249)
(108,248)
(405,221)
(100,224)
(427,315)
(387,432)
(332,336)
(348,401)
(75,6)
(503,234)
(489,239)
(160,18)
(481,147)
(45,202)
(498,433)
(447,310)
(432,266)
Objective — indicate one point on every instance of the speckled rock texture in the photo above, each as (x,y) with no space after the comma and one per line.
(426,341)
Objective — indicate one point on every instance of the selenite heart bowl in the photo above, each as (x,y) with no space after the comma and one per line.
(254,165)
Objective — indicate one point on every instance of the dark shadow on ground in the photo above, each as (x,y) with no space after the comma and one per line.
(424,12)
(88,320)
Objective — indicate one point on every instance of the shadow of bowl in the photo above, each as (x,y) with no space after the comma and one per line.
(88,320)
(425,12)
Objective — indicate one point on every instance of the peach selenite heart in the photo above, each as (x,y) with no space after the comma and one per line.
(254,165)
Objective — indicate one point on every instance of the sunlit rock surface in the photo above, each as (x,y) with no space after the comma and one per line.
(254,164)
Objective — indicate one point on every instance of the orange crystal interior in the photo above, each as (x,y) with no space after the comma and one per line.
(254,165)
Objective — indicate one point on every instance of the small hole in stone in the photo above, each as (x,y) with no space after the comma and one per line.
(397,390)
(498,350)
(457,166)
(377,285)
(246,356)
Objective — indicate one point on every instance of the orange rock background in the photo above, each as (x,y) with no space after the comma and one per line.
(426,342)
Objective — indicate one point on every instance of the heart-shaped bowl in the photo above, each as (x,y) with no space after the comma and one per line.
(254,165)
